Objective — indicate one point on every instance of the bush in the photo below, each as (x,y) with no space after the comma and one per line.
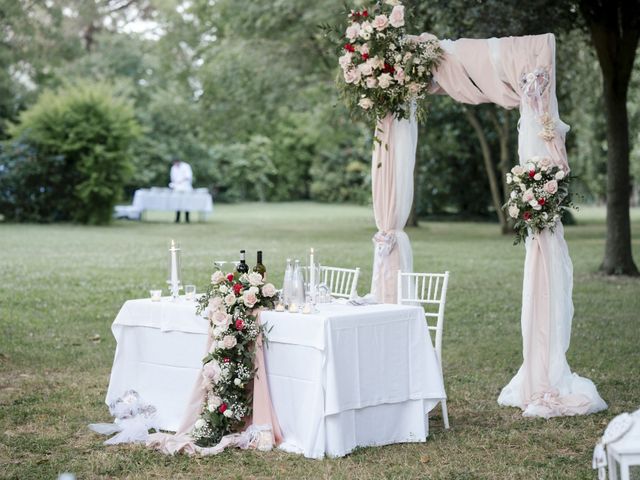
(69,156)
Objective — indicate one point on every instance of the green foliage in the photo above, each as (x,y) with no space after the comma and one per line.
(91,131)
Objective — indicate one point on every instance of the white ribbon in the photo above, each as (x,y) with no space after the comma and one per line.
(533,85)
(617,428)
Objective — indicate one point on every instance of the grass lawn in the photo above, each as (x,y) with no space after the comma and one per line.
(63,285)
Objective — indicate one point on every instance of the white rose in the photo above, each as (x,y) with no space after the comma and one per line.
(217,277)
(268,290)
(200,423)
(255,278)
(384,80)
(380,22)
(366,27)
(517,170)
(536,207)
(237,381)
(560,174)
(365,103)
(514,211)
(229,341)
(537,177)
(215,303)
(365,35)
(509,178)
(228,413)
(533,203)
(230,299)
(396,19)
(371,82)
(514,194)
(407,57)
(223,289)
(221,320)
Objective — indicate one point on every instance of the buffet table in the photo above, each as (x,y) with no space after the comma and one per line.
(343,377)
(167,200)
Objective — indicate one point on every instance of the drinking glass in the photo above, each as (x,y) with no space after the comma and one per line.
(190,292)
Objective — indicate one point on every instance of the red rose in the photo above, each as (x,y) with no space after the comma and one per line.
(349,48)
(222,408)
(532,173)
(541,201)
(239,324)
(237,287)
(365,13)
(526,215)
(365,56)
(226,360)
(388,68)
(230,277)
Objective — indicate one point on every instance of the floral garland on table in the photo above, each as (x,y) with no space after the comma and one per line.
(231,302)
(383,69)
(539,194)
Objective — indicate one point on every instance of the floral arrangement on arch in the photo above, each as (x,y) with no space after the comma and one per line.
(384,69)
(539,192)
(232,302)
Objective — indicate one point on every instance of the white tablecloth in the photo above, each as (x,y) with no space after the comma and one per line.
(165,199)
(344,377)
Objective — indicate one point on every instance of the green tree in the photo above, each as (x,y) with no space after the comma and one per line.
(91,130)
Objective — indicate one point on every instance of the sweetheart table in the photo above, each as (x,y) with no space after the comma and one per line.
(343,377)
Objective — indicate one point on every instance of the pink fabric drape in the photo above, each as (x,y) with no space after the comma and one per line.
(263,416)
(383,186)
(510,72)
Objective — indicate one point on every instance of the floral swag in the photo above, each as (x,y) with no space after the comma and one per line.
(232,303)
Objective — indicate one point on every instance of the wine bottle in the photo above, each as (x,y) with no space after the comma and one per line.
(260,268)
(242,266)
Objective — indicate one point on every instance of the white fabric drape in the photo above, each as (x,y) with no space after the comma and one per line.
(392,165)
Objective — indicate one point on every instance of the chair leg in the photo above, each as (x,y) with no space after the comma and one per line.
(445,414)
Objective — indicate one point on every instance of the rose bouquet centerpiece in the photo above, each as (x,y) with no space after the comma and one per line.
(231,303)
(383,69)
(539,193)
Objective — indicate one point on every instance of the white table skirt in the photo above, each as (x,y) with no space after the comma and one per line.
(165,199)
(345,377)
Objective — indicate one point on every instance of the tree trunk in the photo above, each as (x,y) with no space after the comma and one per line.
(615,32)
(501,124)
(412,221)
(489,167)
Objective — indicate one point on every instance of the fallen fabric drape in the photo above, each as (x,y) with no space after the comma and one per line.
(262,432)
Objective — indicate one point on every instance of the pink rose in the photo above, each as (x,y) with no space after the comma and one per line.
(269,290)
(364,49)
(527,196)
(211,371)
(230,299)
(345,60)
(249,298)
(229,341)
(399,75)
(380,22)
(255,279)
(384,80)
(365,68)
(396,19)
(215,303)
(353,31)
(239,324)
(551,187)
(221,320)
(372,82)
(217,277)
(352,76)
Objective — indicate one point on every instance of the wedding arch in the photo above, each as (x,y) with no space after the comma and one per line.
(510,72)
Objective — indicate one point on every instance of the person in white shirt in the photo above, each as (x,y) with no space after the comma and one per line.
(181,178)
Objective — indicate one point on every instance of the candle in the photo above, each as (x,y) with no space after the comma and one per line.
(307,308)
(293,308)
(174,264)
(312,277)
(280,307)
(156,295)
